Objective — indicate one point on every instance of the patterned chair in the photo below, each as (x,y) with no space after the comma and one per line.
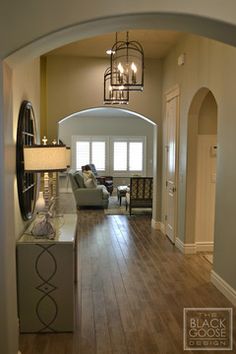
(140,193)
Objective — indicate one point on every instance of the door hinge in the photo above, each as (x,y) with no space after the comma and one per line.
(166,183)
(165,217)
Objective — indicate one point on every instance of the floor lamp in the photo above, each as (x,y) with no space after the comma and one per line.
(45,158)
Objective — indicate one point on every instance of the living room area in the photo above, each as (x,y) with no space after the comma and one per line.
(119,153)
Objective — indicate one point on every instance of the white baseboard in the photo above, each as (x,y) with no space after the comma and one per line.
(179,244)
(186,248)
(192,248)
(204,246)
(223,287)
(163,228)
(156,224)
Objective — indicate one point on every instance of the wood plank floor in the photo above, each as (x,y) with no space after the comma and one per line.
(132,287)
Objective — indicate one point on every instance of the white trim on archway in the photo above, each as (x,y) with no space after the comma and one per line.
(96,109)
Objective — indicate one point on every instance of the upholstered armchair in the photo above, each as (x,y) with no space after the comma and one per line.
(106,181)
(84,196)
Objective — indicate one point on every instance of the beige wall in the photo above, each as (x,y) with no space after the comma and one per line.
(8,303)
(205,192)
(207,121)
(213,65)
(25,87)
(75,84)
(22,83)
(43,96)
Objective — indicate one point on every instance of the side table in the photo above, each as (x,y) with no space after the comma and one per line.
(121,192)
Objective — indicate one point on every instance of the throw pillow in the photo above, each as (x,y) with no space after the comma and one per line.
(79,180)
(89,179)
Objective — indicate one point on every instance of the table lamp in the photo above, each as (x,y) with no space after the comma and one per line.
(45,158)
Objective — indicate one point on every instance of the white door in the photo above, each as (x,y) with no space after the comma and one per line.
(171,124)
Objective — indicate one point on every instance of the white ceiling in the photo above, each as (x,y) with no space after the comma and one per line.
(156,44)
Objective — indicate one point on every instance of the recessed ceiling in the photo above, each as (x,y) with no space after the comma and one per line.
(156,44)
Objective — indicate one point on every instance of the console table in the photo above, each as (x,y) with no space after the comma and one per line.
(46,277)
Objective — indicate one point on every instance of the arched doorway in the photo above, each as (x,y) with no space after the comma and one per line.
(108,123)
(201,171)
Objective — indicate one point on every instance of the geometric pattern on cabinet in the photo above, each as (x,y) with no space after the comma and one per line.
(46,288)
(45,280)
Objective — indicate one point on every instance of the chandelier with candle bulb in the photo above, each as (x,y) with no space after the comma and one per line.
(126,71)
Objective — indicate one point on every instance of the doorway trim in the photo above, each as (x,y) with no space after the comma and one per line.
(172,93)
(190,246)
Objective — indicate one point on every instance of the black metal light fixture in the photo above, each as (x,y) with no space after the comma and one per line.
(127,65)
(116,94)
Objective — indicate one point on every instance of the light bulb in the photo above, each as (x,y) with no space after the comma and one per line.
(134,70)
(110,91)
(134,67)
(120,73)
(110,51)
(120,68)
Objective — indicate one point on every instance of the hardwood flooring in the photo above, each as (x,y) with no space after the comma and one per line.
(132,287)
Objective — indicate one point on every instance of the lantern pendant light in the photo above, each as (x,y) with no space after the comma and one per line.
(127,65)
(114,95)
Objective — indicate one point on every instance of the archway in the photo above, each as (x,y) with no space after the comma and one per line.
(201,171)
(164,20)
(109,123)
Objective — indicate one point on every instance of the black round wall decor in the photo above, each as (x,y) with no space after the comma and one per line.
(26,182)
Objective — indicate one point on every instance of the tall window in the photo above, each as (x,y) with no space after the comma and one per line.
(128,155)
(90,151)
(98,156)
(120,156)
(136,156)
(82,153)
(116,155)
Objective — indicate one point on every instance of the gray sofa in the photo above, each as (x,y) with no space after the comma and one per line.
(98,196)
